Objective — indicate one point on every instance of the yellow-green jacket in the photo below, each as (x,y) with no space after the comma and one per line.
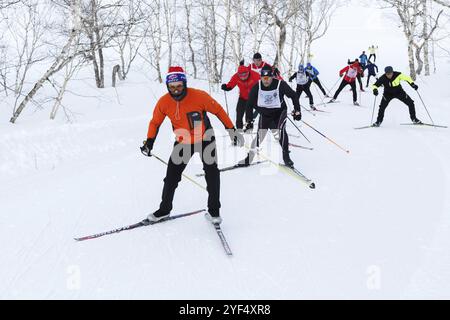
(392,86)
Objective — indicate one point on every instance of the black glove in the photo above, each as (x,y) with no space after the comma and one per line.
(236,137)
(297,115)
(146,149)
(241,63)
(375,91)
(224,87)
(414,86)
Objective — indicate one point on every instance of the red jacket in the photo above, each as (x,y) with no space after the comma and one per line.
(244,86)
(351,72)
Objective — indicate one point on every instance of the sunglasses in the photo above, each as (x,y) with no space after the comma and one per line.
(266,78)
(243,75)
(176,87)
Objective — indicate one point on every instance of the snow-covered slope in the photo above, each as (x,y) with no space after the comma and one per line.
(376,226)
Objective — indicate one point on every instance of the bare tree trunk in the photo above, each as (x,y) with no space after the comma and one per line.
(425,36)
(293,43)
(116,72)
(59,98)
(419,61)
(169,14)
(101,63)
(189,37)
(59,62)
(225,38)
(281,42)
(412,69)
(236,34)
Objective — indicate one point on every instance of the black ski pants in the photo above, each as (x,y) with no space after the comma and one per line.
(342,86)
(307,89)
(181,154)
(403,97)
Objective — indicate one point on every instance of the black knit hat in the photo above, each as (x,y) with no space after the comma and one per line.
(266,71)
(388,69)
(257,56)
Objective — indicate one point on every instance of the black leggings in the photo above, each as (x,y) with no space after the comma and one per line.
(359,81)
(368,78)
(181,154)
(342,86)
(275,122)
(403,97)
(374,57)
(241,109)
(317,81)
(305,88)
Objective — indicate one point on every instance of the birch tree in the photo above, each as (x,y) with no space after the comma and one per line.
(281,14)
(61,59)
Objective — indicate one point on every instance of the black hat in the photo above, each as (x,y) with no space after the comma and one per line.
(257,56)
(388,69)
(266,71)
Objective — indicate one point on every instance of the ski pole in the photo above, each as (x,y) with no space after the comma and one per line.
(298,129)
(373,109)
(308,110)
(348,151)
(323,85)
(318,93)
(334,85)
(187,177)
(425,107)
(226,102)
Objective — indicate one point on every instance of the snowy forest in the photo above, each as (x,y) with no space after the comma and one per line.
(46,42)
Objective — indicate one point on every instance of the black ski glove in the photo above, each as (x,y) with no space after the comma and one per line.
(297,115)
(224,87)
(375,91)
(241,63)
(414,86)
(146,149)
(236,137)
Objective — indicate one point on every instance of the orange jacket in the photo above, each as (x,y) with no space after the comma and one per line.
(188,129)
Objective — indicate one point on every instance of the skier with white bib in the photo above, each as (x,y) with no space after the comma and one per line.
(303,84)
(267,97)
(350,74)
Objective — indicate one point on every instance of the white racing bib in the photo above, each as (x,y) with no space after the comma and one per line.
(269,99)
(301,78)
(351,73)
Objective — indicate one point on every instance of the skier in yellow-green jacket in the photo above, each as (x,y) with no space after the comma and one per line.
(390,80)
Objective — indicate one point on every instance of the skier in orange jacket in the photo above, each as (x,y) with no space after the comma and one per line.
(187,109)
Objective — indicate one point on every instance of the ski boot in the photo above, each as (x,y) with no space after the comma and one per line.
(157,216)
(376,124)
(213,219)
(287,159)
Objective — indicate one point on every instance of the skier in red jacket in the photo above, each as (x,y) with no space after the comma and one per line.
(350,73)
(245,79)
(258,63)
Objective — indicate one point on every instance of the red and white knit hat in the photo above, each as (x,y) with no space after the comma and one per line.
(176,74)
